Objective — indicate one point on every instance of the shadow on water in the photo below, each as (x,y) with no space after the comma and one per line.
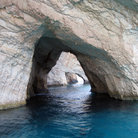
(101,102)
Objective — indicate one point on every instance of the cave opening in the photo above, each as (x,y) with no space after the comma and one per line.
(54,64)
(103,73)
(67,71)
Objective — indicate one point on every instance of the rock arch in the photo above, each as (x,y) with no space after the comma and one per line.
(104,75)
(103,36)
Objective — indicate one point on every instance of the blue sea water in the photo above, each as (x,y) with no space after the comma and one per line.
(71,112)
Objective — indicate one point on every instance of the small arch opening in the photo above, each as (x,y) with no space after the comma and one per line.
(67,71)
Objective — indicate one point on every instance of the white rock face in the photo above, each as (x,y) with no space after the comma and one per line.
(66,63)
(104,31)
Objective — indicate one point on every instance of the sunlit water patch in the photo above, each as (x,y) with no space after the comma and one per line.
(71,112)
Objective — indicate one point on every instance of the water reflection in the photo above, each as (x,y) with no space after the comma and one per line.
(71,112)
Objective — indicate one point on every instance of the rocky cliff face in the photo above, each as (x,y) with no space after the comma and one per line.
(102,34)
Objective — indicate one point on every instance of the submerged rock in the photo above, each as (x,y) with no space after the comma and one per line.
(102,34)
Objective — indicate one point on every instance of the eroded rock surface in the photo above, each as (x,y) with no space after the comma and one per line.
(101,33)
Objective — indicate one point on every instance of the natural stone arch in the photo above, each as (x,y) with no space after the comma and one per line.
(104,76)
(99,29)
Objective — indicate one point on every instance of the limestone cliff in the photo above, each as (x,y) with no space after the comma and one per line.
(102,34)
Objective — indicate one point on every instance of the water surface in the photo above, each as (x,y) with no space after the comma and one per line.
(71,112)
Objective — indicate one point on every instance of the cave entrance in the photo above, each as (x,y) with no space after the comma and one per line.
(54,64)
(103,73)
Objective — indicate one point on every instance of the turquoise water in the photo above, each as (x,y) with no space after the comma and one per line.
(71,112)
